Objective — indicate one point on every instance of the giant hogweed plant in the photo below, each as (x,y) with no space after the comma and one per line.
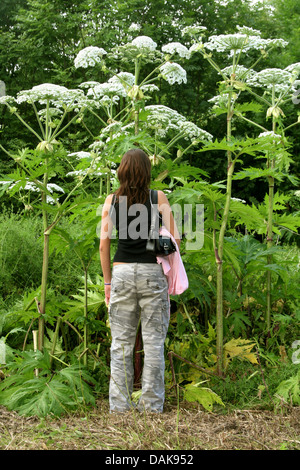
(121,127)
(236,80)
(52,105)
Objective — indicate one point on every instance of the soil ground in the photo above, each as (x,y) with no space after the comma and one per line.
(186,428)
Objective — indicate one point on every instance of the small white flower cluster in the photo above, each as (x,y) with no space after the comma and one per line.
(134,27)
(110,92)
(30,186)
(89,57)
(270,134)
(221,101)
(142,47)
(173,73)
(52,112)
(80,154)
(149,88)
(90,84)
(176,48)
(293,68)
(7,99)
(193,30)
(97,146)
(238,200)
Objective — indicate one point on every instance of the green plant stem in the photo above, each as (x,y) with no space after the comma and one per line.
(85,328)
(271,182)
(291,125)
(220,244)
(38,119)
(42,307)
(28,127)
(252,122)
(54,340)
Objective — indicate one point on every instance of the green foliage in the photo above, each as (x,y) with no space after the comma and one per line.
(47,391)
(288,390)
(203,395)
(20,252)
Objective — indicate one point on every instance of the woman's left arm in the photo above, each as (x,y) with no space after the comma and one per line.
(105,237)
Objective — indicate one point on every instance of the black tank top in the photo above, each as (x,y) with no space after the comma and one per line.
(132,225)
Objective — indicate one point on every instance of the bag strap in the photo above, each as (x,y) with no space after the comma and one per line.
(154,211)
(113,201)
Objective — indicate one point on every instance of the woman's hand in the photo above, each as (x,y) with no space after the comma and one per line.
(107,289)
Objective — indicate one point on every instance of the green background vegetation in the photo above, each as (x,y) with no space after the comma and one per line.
(38,44)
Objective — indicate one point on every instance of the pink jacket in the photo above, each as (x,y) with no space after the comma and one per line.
(173,268)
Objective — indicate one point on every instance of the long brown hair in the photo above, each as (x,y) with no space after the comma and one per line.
(134,174)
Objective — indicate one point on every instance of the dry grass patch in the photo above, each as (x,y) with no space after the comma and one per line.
(189,428)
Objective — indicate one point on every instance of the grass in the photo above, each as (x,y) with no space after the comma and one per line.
(186,427)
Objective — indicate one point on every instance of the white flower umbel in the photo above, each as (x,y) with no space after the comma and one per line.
(89,57)
(173,73)
(107,89)
(192,132)
(176,48)
(7,99)
(97,146)
(241,72)
(249,31)
(163,120)
(279,79)
(144,42)
(237,42)
(126,79)
(56,94)
(294,69)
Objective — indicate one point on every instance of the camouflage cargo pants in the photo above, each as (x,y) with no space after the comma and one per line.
(139,290)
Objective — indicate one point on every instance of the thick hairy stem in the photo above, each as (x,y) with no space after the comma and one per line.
(269,245)
(220,246)
(42,305)
(219,261)
(271,181)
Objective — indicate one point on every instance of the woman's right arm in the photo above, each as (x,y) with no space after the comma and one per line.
(105,237)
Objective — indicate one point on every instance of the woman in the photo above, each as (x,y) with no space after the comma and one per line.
(137,287)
